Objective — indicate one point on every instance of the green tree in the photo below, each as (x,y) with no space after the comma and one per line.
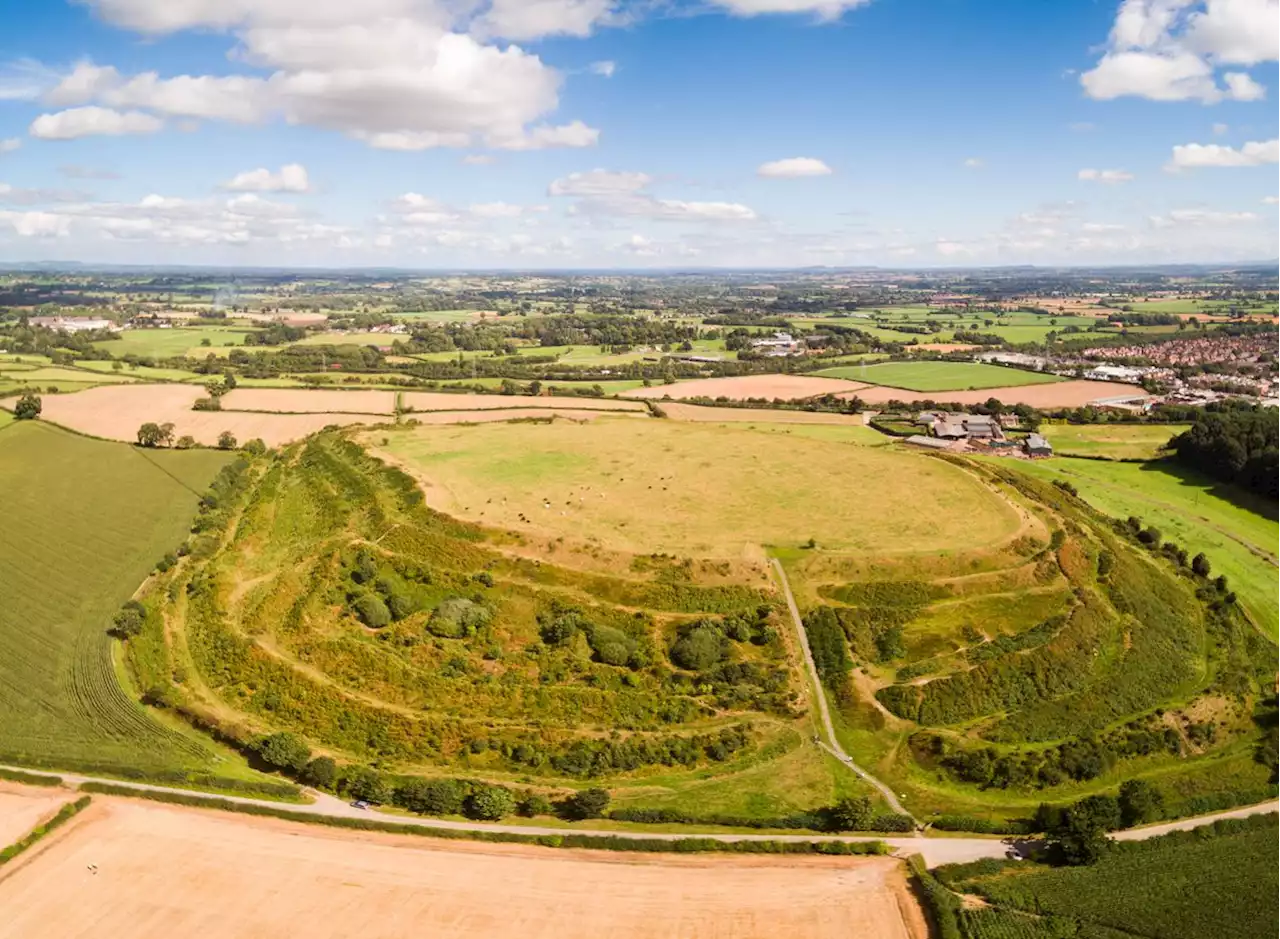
(284,751)
(367,785)
(320,772)
(535,805)
(185,442)
(1140,802)
(489,804)
(1081,837)
(1201,566)
(28,407)
(127,623)
(226,440)
(432,796)
(699,649)
(151,434)
(589,803)
(255,447)
(372,610)
(853,814)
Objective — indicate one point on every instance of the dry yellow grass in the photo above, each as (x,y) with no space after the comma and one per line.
(306,401)
(742,387)
(700,489)
(701,414)
(164,871)
(435,401)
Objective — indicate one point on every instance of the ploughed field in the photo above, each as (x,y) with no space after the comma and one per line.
(163,872)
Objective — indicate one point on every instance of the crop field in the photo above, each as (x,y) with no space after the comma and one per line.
(1114,441)
(283,878)
(1237,533)
(1061,394)
(22,808)
(744,387)
(52,376)
(1217,881)
(705,414)
(940,376)
(181,340)
(696,488)
(84,523)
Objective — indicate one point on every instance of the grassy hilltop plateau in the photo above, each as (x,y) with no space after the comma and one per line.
(477,548)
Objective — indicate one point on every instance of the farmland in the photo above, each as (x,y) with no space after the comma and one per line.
(700,490)
(181,340)
(1216,881)
(85,521)
(1113,441)
(1237,532)
(940,376)
(285,878)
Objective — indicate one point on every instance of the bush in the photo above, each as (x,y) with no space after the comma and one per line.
(321,772)
(367,785)
(28,407)
(457,618)
(534,805)
(589,803)
(853,814)
(372,610)
(1140,802)
(128,622)
(699,649)
(284,751)
(489,804)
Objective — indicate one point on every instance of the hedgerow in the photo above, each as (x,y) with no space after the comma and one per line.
(65,814)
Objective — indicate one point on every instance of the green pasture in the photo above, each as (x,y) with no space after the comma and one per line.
(84,523)
(167,343)
(1236,531)
(939,376)
(1114,441)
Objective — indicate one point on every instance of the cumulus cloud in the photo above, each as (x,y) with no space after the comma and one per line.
(16,195)
(823,9)
(1110,177)
(292,177)
(1270,200)
(396,74)
(601,192)
(535,19)
(36,224)
(793,168)
(495,210)
(9,144)
(1199,155)
(93,121)
(1172,50)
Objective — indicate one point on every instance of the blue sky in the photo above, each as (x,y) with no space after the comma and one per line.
(638,133)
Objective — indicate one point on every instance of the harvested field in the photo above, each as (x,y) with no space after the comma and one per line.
(703,490)
(305,401)
(22,808)
(164,871)
(117,411)
(431,401)
(700,413)
(742,387)
(1065,394)
(520,414)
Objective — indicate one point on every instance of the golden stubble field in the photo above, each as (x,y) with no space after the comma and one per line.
(22,808)
(165,871)
(741,387)
(698,489)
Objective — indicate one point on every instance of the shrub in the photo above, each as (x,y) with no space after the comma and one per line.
(372,610)
(699,649)
(489,804)
(321,772)
(128,622)
(365,784)
(1140,802)
(432,796)
(534,805)
(28,407)
(284,751)
(457,618)
(589,803)
(853,814)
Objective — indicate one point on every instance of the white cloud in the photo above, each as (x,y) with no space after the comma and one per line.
(534,19)
(1270,200)
(824,9)
(9,144)
(598,183)
(36,224)
(1198,155)
(1202,218)
(478,159)
(16,195)
(973,163)
(495,210)
(75,171)
(24,80)
(793,168)
(1082,127)
(292,177)
(605,68)
(1096,228)
(1219,129)
(93,121)
(1110,177)
(601,192)
(396,74)
(1170,50)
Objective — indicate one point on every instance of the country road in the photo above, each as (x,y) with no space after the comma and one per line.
(831,744)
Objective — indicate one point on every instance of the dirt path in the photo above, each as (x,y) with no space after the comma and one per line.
(831,744)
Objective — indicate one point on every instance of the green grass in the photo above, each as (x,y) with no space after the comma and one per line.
(145,372)
(164,343)
(84,521)
(939,376)
(1234,530)
(1210,883)
(58,376)
(1114,441)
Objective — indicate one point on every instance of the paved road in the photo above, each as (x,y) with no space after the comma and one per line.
(831,744)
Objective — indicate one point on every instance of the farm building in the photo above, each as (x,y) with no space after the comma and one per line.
(963,426)
(72,324)
(929,443)
(1036,445)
